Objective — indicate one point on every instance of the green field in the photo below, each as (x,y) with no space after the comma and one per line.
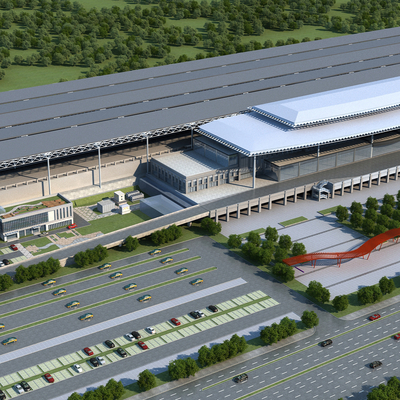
(91,200)
(293,221)
(40,242)
(328,211)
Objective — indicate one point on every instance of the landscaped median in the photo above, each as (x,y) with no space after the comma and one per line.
(293,221)
(102,274)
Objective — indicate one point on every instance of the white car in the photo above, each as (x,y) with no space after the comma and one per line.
(1,264)
(151,330)
(18,388)
(129,337)
(77,368)
(200,313)
(101,360)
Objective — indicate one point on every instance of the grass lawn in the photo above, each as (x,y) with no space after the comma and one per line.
(114,223)
(40,242)
(33,202)
(328,211)
(65,235)
(293,221)
(88,201)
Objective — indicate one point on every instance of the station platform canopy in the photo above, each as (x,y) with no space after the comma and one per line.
(335,104)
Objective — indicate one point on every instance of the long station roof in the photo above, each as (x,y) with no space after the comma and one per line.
(67,118)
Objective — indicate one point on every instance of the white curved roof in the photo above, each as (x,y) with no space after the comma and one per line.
(253,134)
(334,104)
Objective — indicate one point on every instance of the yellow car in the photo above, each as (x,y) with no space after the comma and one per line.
(130,286)
(167,260)
(181,270)
(2,326)
(72,304)
(155,251)
(196,282)
(10,340)
(59,292)
(144,298)
(49,282)
(116,275)
(86,317)
(105,267)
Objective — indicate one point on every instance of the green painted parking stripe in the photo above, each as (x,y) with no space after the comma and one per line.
(92,277)
(102,286)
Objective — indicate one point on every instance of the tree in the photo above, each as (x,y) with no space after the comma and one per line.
(254,238)
(316,290)
(340,302)
(389,199)
(396,215)
(342,213)
(271,234)
(368,226)
(371,214)
(212,227)
(372,202)
(386,285)
(264,256)
(379,229)
(309,319)
(285,242)
(356,220)
(131,243)
(234,241)
(298,249)
(393,224)
(177,369)
(356,208)
(146,380)
(116,388)
(387,210)
(75,396)
(365,295)
(191,367)
(204,358)
(280,254)
(5,282)
(285,272)
(21,274)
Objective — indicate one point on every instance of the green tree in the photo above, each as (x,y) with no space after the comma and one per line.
(298,249)
(264,256)
(254,238)
(342,213)
(387,210)
(393,224)
(318,292)
(389,199)
(205,357)
(211,226)
(75,396)
(365,295)
(309,319)
(379,229)
(268,245)
(271,234)
(372,202)
(5,282)
(191,367)
(116,388)
(356,220)
(285,272)
(177,369)
(21,274)
(340,302)
(356,208)
(396,215)
(285,242)
(234,241)
(131,243)
(280,254)
(386,285)
(146,380)
(368,226)
(371,214)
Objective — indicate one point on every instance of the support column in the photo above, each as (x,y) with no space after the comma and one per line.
(387,175)
(216,215)
(379,178)
(269,202)
(295,195)
(48,171)
(238,211)
(370,181)
(147,153)
(319,195)
(191,137)
(259,204)
(248,208)
(254,172)
(351,185)
(396,175)
(342,189)
(98,151)
(361,182)
(284,198)
(333,191)
(305,193)
(227,214)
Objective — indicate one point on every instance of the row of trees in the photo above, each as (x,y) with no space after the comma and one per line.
(35,271)
(276,332)
(390,391)
(91,256)
(166,235)
(372,294)
(113,390)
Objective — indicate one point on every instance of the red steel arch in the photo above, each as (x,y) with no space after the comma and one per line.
(364,249)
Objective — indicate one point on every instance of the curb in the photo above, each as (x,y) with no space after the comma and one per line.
(220,366)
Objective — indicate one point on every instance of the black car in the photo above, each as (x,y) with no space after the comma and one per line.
(213,308)
(136,335)
(241,378)
(94,362)
(194,314)
(25,386)
(375,364)
(6,262)
(122,352)
(2,395)
(325,343)
(109,344)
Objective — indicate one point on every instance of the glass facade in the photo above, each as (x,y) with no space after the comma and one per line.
(24,222)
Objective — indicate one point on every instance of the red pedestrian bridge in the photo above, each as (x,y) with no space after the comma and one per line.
(363,250)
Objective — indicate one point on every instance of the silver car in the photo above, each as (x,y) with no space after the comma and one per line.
(77,368)
(101,360)
(129,337)
(18,388)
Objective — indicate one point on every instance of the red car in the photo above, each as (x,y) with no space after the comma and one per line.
(143,345)
(72,226)
(175,321)
(88,351)
(374,317)
(49,378)
(397,337)
(14,247)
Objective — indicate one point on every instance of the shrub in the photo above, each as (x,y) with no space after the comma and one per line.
(389,199)
(318,292)
(372,202)
(211,226)
(356,220)
(371,214)
(340,302)
(271,234)
(356,208)
(131,243)
(298,249)
(146,380)
(234,241)
(386,285)
(368,226)
(254,238)
(283,271)
(280,254)
(387,210)
(309,319)
(342,213)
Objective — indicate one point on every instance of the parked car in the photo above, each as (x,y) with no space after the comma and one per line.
(25,385)
(213,308)
(101,360)
(151,330)
(374,317)
(18,388)
(77,368)
(241,378)
(122,352)
(94,362)
(72,226)
(109,344)
(49,378)
(136,335)
(194,314)
(2,264)
(175,321)
(88,351)
(14,247)
(129,337)
(201,314)
(155,251)
(143,345)
(6,262)
(375,364)
(326,342)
